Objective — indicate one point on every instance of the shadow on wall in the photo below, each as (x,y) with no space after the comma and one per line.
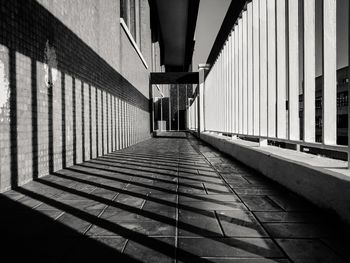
(61,102)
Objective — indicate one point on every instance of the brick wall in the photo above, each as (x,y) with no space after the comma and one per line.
(72,87)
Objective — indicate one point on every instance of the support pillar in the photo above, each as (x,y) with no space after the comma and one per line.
(263,142)
(202,68)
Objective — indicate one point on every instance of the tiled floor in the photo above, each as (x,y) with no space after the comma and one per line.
(164,200)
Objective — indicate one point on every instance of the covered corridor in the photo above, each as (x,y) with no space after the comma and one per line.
(174,131)
(171,198)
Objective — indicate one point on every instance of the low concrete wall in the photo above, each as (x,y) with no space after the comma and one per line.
(325,188)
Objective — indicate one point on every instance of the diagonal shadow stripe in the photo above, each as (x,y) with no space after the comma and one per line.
(191,228)
(142,239)
(136,183)
(98,161)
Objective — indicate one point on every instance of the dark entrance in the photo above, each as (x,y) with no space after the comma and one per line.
(171,93)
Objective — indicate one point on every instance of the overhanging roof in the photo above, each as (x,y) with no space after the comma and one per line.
(177,22)
(230,19)
(174,78)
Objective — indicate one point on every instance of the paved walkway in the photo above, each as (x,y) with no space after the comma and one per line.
(164,200)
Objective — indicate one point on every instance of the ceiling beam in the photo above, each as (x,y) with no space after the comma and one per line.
(174,78)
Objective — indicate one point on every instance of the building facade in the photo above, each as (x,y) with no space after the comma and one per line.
(74,82)
(342,107)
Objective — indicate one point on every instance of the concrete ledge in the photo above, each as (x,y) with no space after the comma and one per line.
(323,181)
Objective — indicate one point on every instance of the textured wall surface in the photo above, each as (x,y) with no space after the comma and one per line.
(72,87)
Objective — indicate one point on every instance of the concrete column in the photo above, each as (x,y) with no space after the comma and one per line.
(202,68)
(217,99)
(222,96)
(204,101)
(218,106)
(236,84)
(221,88)
(230,59)
(293,107)
(271,68)
(217,85)
(232,82)
(228,97)
(240,74)
(309,70)
(213,97)
(281,68)
(211,89)
(213,93)
(228,79)
(227,86)
(329,71)
(263,68)
(224,87)
(256,68)
(250,67)
(245,72)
